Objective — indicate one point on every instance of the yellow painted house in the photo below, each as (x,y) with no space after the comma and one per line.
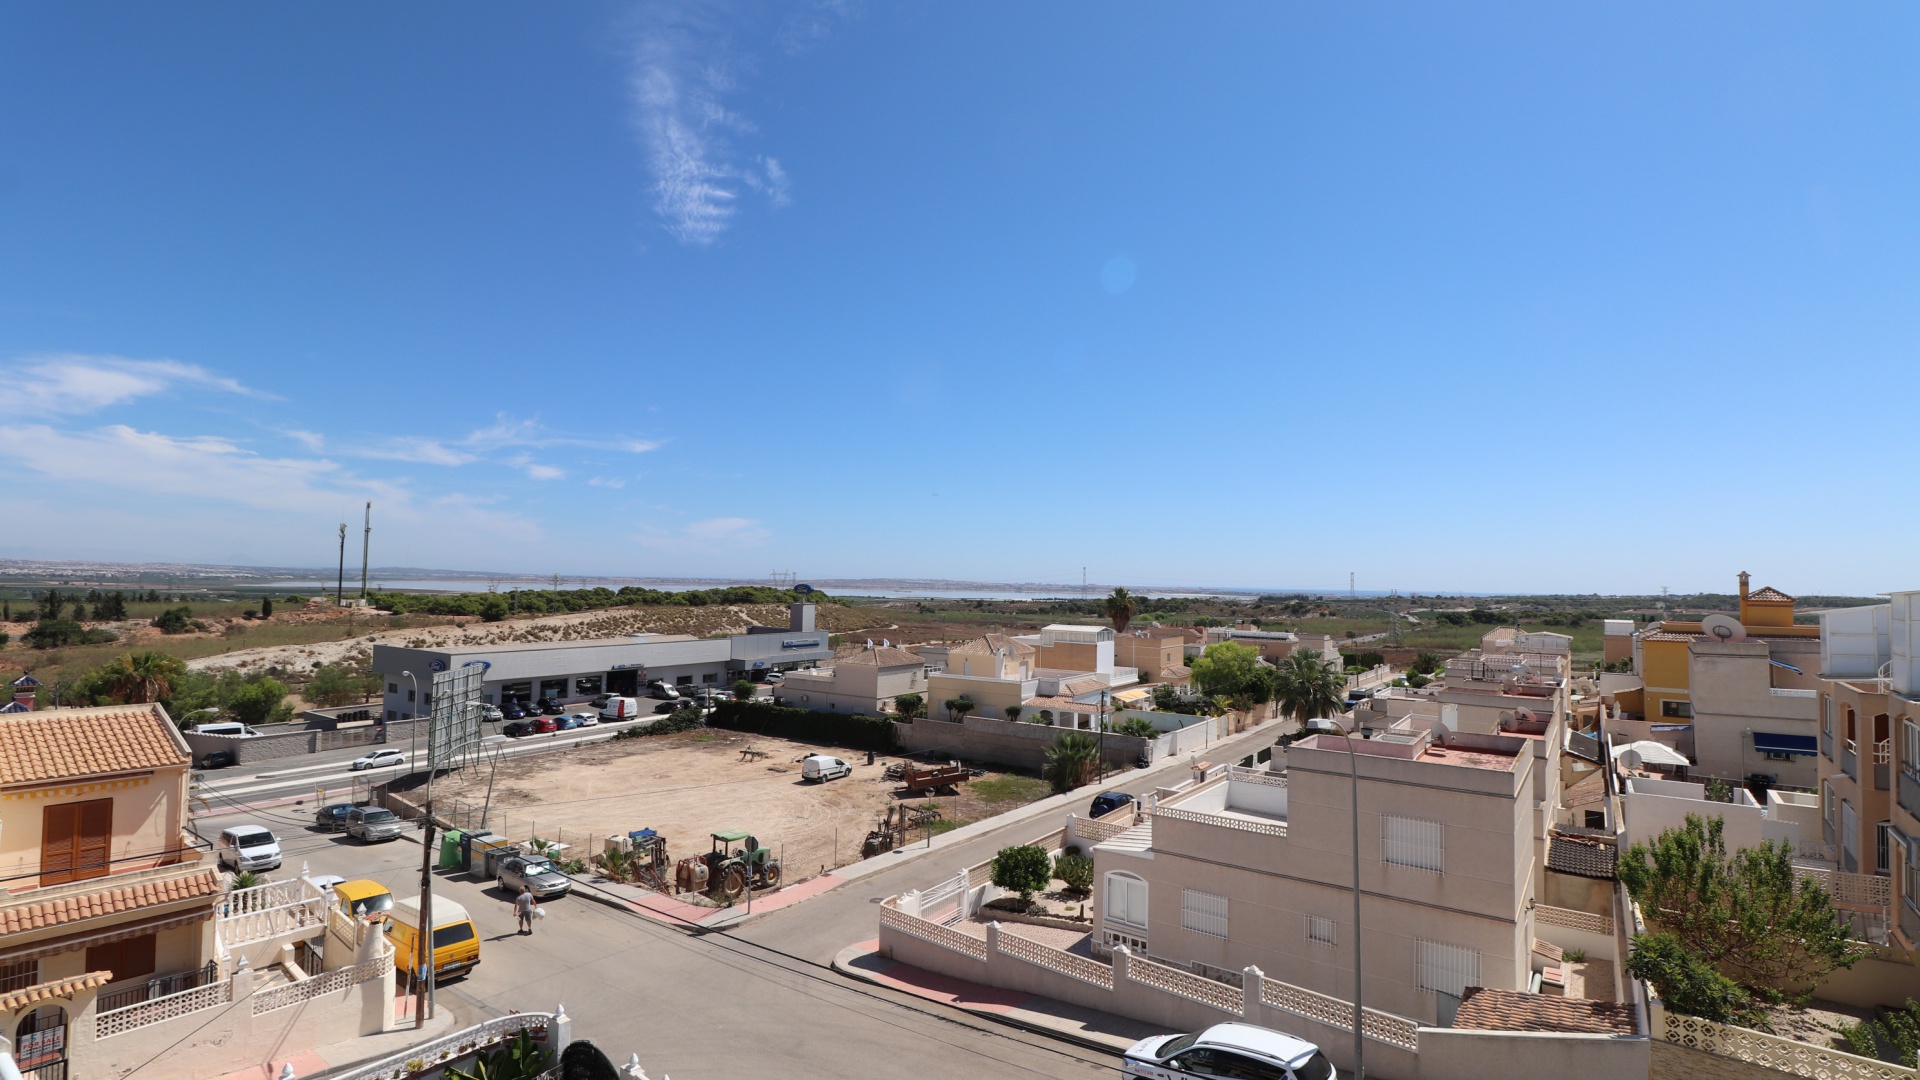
(1664,662)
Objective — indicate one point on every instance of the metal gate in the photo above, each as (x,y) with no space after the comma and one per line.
(946,903)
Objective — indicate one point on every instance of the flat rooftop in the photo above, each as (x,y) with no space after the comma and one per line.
(538,646)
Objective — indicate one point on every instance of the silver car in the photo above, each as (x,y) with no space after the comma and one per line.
(372,823)
(536,872)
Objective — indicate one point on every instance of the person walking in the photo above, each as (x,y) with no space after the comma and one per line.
(523,907)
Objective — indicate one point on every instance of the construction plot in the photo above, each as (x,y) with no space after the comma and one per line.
(689,786)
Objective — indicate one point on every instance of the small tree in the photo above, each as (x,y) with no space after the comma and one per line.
(910,705)
(258,702)
(138,678)
(1745,915)
(332,685)
(1076,871)
(1013,713)
(175,620)
(1138,727)
(1070,761)
(958,707)
(1024,869)
(743,690)
(266,607)
(1688,984)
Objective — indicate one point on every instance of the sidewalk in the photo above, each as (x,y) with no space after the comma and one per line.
(666,910)
(1086,1027)
(313,1063)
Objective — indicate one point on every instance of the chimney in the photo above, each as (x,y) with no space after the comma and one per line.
(1743,586)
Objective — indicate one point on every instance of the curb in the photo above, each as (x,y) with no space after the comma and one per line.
(1085,1042)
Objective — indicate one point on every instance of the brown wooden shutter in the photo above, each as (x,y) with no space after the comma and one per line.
(129,959)
(96,840)
(59,837)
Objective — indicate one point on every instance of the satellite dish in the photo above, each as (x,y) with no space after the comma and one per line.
(1629,759)
(1723,628)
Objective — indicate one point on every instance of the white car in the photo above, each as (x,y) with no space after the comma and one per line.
(584,719)
(1237,1050)
(379,759)
(821,768)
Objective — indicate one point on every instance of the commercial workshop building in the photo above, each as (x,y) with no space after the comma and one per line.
(572,671)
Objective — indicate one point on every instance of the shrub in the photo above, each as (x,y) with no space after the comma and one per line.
(175,620)
(836,729)
(910,705)
(1013,713)
(333,685)
(1899,1029)
(1024,869)
(1070,761)
(1689,984)
(259,702)
(743,690)
(1076,871)
(1137,727)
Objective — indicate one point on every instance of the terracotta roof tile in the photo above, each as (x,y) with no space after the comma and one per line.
(1175,671)
(63,989)
(1487,1009)
(59,744)
(108,901)
(1666,635)
(1085,684)
(1769,595)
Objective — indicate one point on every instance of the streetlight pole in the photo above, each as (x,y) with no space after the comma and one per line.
(1353,780)
(413,733)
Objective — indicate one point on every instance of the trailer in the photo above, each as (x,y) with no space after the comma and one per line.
(918,779)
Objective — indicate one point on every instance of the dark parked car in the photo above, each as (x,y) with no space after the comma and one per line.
(518,729)
(513,710)
(332,817)
(551,706)
(1107,802)
(666,706)
(219,759)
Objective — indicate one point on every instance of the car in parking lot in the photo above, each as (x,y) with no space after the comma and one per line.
(666,706)
(550,706)
(544,725)
(379,759)
(371,824)
(821,768)
(584,719)
(517,730)
(536,872)
(775,678)
(332,817)
(566,723)
(513,710)
(1236,1050)
(491,714)
(600,700)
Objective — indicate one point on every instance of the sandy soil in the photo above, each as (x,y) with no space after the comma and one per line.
(577,626)
(690,785)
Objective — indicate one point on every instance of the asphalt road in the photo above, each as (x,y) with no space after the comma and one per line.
(758,1001)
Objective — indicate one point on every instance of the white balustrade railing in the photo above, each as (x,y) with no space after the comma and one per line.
(1186,984)
(1046,956)
(416,1060)
(156,1010)
(1242,774)
(934,933)
(1769,1051)
(1573,919)
(1869,890)
(1223,821)
(268,911)
(280,997)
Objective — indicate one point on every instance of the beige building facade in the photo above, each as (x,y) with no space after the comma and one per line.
(864,682)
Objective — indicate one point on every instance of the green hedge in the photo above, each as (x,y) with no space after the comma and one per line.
(835,729)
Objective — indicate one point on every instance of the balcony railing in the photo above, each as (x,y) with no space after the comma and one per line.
(268,911)
(1882,763)
(158,986)
(1910,792)
(1849,761)
(1826,745)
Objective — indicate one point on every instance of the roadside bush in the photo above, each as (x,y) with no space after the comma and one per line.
(1137,727)
(1024,869)
(671,724)
(333,685)
(175,620)
(834,729)
(743,690)
(1076,871)
(261,702)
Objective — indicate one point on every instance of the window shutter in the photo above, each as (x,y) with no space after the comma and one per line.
(95,840)
(59,838)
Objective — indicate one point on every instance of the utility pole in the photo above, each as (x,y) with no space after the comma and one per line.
(340,586)
(423,959)
(1351,594)
(366,542)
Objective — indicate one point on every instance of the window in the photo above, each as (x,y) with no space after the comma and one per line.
(588,685)
(683,680)
(393,688)
(1445,969)
(1910,747)
(392,716)
(1411,842)
(710,677)
(1203,912)
(129,959)
(1828,806)
(74,839)
(1319,930)
(1849,838)
(409,695)
(1910,886)
(1882,848)
(18,975)
(1126,899)
(1677,709)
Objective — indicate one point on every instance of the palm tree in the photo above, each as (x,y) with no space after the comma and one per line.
(1120,609)
(1070,761)
(1307,687)
(142,677)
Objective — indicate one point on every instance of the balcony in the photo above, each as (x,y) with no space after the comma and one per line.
(162,879)
(1882,763)
(1910,792)
(1849,761)
(1826,745)
(158,986)
(1251,800)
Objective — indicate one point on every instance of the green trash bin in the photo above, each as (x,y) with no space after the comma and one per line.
(450,849)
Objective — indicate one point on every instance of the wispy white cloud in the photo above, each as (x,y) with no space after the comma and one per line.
(412,448)
(615,482)
(482,444)
(312,440)
(72,383)
(706,535)
(684,58)
(810,24)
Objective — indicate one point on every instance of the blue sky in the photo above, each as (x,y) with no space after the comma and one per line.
(1569,297)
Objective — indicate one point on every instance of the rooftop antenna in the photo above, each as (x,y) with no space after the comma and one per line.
(340,585)
(366,541)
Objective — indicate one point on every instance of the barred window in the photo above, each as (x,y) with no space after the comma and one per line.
(1445,969)
(1319,930)
(1126,899)
(1204,912)
(1411,842)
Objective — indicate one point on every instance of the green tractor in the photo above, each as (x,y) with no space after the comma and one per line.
(737,861)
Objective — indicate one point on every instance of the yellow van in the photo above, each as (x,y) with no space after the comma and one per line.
(456,943)
(361,898)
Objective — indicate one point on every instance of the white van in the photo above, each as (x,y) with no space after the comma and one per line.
(663,691)
(249,847)
(224,729)
(820,768)
(620,708)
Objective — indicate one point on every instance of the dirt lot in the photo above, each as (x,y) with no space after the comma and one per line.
(689,785)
